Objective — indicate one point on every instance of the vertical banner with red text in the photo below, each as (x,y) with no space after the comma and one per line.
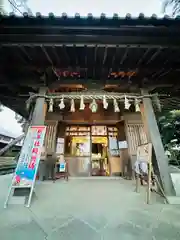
(29,157)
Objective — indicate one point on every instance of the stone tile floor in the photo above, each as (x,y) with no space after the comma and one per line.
(88,209)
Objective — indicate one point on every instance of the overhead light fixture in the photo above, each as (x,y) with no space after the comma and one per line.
(105,103)
(72,106)
(126,103)
(137,108)
(116,107)
(93,106)
(51,103)
(62,105)
(82,105)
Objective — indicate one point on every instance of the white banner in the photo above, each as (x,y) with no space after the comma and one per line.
(29,158)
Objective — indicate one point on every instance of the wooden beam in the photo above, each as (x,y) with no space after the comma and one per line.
(57,37)
(39,110)
(155,138)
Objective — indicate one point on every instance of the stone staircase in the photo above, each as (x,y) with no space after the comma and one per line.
(7,165)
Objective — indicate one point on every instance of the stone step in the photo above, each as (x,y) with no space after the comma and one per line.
(7,162)
(19,196)
(174,200)
(96,178)
(18,192)
(19,200)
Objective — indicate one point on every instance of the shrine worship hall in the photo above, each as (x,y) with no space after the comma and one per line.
(97,85)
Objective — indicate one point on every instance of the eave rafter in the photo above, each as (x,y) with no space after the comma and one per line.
(89,51)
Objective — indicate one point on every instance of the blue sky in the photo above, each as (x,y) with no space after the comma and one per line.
(96,7)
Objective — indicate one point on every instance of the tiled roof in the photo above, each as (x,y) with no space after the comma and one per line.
(101,20)
(6,133)
(90,15)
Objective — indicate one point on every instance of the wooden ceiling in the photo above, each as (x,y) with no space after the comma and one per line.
(65,53)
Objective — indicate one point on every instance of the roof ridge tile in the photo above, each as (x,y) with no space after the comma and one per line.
(90,15)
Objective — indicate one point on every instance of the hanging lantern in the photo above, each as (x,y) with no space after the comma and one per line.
(137,108)
(82,105)
(62,105)
(126,103)
(51,103)
(72,106)
(105,103)
(116,107)
(93,106)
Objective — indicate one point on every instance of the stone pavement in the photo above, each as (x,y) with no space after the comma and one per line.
(88,210)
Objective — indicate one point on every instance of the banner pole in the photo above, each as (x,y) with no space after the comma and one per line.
(32,188)
(149,183)
(9,192)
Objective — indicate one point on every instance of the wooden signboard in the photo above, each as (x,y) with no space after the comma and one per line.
(144,155)
(144,152)
(60,146)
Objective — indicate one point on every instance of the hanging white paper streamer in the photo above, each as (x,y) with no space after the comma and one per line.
(51,105)
(137,108)
(126,103)
(82,105)
(105,103)
(72,105)
(93,106)
(62,105)
(116,107)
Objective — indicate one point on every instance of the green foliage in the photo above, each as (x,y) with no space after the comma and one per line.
(169,126)
(174,5)
(20,120)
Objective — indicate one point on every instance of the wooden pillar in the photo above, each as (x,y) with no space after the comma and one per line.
(153,134)
(124,155)
(38,119)
(39,110)
(144,122)
(45,110)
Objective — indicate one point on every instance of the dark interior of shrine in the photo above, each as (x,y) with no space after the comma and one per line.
(76,54)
